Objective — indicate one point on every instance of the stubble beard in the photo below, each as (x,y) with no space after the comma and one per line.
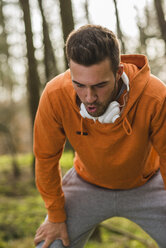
(103,107)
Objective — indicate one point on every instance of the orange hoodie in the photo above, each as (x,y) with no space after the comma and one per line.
(119,155)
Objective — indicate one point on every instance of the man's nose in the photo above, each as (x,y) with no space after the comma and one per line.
(90,95)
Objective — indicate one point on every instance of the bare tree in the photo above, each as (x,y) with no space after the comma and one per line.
(67,20)
(7,82)
(119,31)
(10,146)
(86,6)
(33,82)
(143,29)
(150,36)
(6,73)
(3,34)
(161,18)
(49,58)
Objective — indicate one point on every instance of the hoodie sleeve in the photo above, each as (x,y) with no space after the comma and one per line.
(49,139)
(158,135)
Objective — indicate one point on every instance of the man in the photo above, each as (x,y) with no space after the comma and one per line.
(114,114)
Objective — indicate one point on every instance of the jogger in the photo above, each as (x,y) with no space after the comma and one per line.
(113,112)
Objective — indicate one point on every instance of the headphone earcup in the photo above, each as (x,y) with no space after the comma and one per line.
(111,114)
(111,117)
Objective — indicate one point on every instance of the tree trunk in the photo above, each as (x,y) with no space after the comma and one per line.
(119,32)
(6,72)
(161,18)
(86,6)
(33,81)
(67,20)
(49,59)
(3,34)
(12,149)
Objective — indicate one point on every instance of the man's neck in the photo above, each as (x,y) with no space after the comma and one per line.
(120,84)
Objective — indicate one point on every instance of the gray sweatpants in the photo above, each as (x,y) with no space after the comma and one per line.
(87,205)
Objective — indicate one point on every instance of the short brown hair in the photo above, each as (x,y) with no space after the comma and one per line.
(91,44)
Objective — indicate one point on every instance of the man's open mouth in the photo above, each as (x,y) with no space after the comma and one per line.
(91,109)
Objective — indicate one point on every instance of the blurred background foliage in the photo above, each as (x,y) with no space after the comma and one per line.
(32,41)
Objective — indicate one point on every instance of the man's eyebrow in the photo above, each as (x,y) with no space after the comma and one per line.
(76,82)
(98,84)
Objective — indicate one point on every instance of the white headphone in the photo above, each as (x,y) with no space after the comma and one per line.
(113,110)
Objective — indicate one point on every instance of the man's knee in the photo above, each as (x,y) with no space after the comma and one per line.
(39,245)
(55,244)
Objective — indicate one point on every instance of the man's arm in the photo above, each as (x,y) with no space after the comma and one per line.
(158,136)
(49,139)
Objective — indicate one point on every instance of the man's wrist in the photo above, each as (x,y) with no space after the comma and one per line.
(56,215)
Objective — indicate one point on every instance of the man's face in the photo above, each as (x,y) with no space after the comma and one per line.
(95,85)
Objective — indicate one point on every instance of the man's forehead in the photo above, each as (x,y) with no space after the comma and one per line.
(94,74)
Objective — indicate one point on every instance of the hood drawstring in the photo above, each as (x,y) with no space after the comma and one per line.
(126,126)
(81,125)
(82,132)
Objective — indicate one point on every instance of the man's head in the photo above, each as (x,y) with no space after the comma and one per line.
(91,44)
(93,55)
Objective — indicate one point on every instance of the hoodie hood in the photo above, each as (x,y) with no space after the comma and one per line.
(136,67)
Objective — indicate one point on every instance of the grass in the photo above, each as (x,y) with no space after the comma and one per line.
(22,210)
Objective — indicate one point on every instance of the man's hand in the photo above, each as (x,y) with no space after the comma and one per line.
(49,232)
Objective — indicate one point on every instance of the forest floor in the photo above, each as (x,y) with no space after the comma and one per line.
(22,211)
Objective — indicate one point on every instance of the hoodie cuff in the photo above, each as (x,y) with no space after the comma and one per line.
(57,215)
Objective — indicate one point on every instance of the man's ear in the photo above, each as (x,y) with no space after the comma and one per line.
(119,72)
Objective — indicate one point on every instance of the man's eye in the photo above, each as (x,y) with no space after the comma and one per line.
(80,85)
(100,85)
